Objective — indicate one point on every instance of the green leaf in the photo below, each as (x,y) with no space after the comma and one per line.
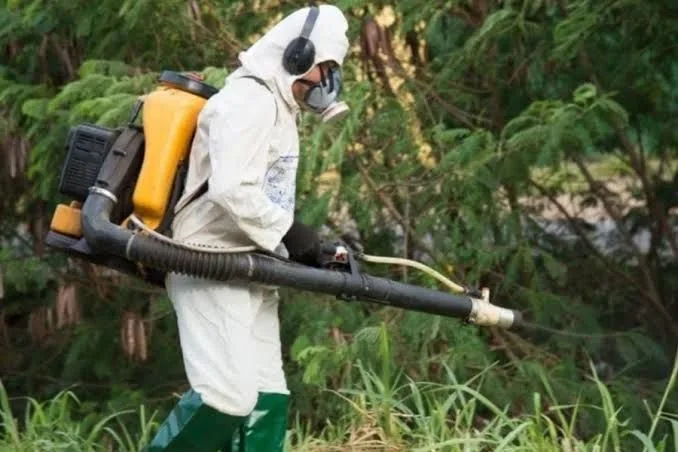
(643,438)
(299,345)
(35,108)
(585,93)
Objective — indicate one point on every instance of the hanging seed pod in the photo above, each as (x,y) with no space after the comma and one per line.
(127,334)
(60,307)
(123,335)
(74,309)
(140,335)
(66,306)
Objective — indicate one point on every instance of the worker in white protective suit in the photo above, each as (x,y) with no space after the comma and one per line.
(240,191)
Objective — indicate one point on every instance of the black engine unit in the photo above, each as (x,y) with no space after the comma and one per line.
(87,146)
(109,159)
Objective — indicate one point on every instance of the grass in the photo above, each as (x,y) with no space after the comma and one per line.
(382,414)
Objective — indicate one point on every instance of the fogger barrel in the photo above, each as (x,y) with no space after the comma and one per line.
(254,267)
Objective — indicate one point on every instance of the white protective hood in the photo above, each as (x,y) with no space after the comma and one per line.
(264,57)
(246,143)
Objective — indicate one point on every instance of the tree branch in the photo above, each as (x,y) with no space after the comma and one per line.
(393,211)
(581,233)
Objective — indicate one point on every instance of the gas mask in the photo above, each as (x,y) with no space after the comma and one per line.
(322,96)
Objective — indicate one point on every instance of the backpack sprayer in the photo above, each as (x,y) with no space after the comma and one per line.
(125,182)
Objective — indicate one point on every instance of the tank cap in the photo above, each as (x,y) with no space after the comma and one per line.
(188,84)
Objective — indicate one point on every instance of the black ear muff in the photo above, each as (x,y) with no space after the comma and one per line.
(300,53)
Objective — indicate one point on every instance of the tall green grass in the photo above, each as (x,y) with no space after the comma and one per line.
(456,416)
(53,426)
(385,411)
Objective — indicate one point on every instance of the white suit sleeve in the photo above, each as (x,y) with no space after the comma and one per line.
(239,135)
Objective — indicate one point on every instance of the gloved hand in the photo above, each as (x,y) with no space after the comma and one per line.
(303,244)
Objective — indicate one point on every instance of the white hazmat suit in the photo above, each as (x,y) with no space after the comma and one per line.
(246,147)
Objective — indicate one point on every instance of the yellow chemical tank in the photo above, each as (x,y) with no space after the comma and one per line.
(169,119)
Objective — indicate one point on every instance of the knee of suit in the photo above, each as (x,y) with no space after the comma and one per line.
(241,403)
(245,404)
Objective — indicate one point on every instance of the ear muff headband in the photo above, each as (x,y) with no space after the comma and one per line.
(300,53)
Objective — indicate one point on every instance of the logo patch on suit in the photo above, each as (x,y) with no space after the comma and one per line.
(280,182)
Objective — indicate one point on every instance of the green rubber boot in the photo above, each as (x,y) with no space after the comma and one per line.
(265,428)
(195,427)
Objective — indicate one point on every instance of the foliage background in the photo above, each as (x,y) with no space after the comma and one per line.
(527,146)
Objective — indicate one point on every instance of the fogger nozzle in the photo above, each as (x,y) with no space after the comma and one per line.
(487,314)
